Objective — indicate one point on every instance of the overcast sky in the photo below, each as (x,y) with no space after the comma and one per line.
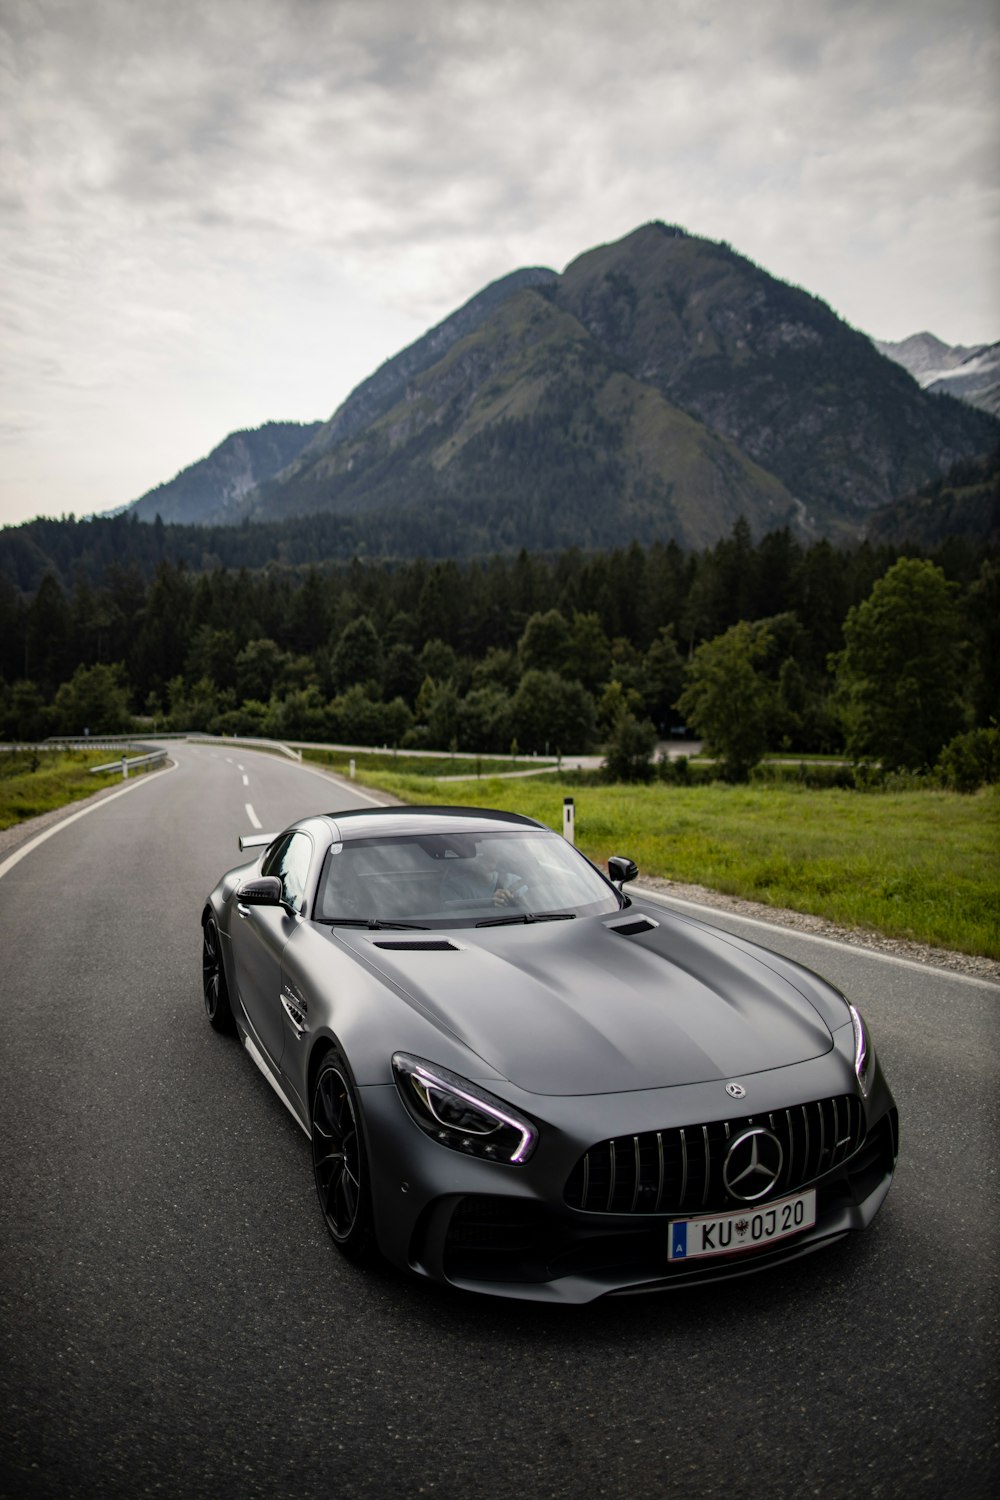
(218,213)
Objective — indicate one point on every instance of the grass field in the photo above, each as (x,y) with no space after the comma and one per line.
(415,764)
(36,781)
(922,865)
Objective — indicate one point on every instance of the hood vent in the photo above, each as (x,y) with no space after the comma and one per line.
(633,928)
(414,945)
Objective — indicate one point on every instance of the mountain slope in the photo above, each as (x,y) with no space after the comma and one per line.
(965,503)
(381,391)
(209,492)
(771,367)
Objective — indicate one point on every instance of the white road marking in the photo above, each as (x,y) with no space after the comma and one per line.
(18,855)
(254,820)
(246,781)
(238,766)
(859,949)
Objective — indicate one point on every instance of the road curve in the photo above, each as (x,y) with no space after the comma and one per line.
(175,1323)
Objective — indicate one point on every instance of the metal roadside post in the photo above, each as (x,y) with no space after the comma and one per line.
(124,769)
(569,820)
(352,767)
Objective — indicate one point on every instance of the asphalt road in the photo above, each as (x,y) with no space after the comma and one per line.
(175,1322)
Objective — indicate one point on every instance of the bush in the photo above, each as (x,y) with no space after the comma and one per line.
(813,774)
(971,760)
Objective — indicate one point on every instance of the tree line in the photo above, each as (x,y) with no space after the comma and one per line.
(551,654)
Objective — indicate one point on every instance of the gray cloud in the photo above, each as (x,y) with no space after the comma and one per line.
(217,207)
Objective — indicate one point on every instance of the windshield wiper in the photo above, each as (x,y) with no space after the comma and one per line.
(528,916)
(372,923)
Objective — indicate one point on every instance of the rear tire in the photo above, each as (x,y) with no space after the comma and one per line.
(213,978)
(340,1164)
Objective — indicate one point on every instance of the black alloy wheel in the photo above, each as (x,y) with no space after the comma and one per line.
(213,980)
(339,1163)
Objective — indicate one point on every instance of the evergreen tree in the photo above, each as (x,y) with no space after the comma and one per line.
(357,655)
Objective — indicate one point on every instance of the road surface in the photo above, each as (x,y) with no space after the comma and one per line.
(175,1322)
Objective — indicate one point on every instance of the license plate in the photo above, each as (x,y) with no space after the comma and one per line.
(746,1229)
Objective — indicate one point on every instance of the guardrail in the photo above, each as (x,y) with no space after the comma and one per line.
(125,765)
(250,740)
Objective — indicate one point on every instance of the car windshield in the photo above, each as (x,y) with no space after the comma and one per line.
(444,879)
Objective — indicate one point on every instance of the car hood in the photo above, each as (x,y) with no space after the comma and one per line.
(578,1008)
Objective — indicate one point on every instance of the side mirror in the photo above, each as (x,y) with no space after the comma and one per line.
(621,869)
(264,891)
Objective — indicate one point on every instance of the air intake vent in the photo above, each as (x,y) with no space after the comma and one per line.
(413,945)
(632,929)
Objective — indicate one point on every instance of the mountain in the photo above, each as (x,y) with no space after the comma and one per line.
(660,387)
(971,374)
(210,492)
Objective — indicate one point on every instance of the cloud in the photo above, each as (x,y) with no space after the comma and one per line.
(183,185)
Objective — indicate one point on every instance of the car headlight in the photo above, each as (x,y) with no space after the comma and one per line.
(460,1114)
(864,1052)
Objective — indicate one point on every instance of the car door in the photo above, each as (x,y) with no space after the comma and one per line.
(260,935)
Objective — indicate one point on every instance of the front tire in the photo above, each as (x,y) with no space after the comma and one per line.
(213,978)
(340,1165)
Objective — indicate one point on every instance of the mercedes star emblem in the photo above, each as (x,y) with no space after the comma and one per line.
(753,1164)
(736,1090)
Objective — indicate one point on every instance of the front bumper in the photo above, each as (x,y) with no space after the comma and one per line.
(508,1231)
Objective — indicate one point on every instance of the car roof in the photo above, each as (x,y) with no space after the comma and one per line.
(366,822)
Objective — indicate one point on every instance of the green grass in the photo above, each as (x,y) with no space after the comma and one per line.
(922,865)
(36,781)
(412,763)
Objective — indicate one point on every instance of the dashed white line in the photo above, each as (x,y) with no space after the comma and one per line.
(254,820)
(246,781)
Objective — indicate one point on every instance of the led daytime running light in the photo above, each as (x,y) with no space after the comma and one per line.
(862,1055)
(426,1088)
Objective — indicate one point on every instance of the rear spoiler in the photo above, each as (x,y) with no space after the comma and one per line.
(255,840)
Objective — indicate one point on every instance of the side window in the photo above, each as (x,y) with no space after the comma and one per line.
(289,860)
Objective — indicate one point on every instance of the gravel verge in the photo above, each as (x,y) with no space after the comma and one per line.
(971,964)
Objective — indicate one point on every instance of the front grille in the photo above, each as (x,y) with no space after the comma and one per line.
(680,1171)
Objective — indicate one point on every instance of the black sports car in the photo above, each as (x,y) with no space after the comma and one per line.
(518,1081)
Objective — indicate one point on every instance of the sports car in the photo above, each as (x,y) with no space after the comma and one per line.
(517,1080)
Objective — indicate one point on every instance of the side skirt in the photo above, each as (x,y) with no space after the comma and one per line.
(254,1052)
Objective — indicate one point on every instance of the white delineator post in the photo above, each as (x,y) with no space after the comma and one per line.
(569,820)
